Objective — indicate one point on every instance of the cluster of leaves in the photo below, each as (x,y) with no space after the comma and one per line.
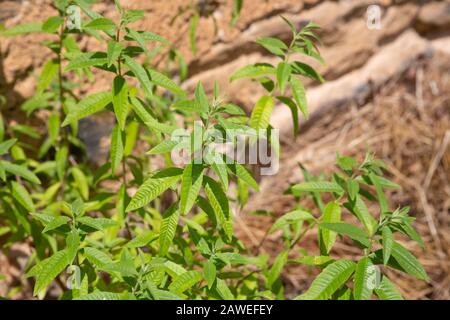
(351,189)
(173,238)
(276,79)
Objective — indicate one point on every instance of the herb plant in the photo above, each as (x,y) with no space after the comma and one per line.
(129,230)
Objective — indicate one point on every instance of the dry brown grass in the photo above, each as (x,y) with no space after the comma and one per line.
(407,125)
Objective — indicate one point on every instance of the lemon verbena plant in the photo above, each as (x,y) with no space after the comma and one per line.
(133,229)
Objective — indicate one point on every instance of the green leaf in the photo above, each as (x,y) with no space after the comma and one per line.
(21,195)
(20,171)
(97,223)
(138,38)
(150,36)
(314,260)
(294,111)
(348,230)
(49,72)
(149,120)
(142,76)
(164,147)
(27,130)
(101,24)
(114,50)
(52,24)
(406,228)
(165,82)
(191,182)
(306,70)
(101,295)
(237,7)
(352,188)
(331,214)
(253,71)
(22,29)
(168,229)
(380,194)
(277,267)
(37,102)
(188,106)
(153,187)
(81,182)
(193,32)
(120,100)
(273,45)
(283,73)
(387,290)
(362,283)
(223,290)
(56,222)
(209,272)
(329,280)
(360,210)
(299,93)
(290,218)
(219,202)
(388,242)
(343,294)
(317,186)
(131,133)
(85,60)
(72,245)
(52,268)
(116,151)
(221,171)
(242,173)
(261,113)
(88,106)
(408,262)
(61,161)
(346,163)
(201,98)
(53,127)
(185,281)
(4,146)
(96,257)
(142,240)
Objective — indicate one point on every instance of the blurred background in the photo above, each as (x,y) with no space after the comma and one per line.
(387,91)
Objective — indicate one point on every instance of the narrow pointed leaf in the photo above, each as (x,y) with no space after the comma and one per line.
(329,280)
(185,281)
(387,290)
(299,93)
(116,150)
(408,262)
(120,100)
(331,214)
(388,242)
(53,267)
(88,106)
(22,196)
(153,187)
(348,230)
(363,285)
(191,182)
(261,113)
(168,229)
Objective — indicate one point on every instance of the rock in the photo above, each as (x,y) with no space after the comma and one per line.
(442,45)
(95,132)
(433,16)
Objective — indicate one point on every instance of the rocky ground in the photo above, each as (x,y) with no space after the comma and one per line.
(387,90)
